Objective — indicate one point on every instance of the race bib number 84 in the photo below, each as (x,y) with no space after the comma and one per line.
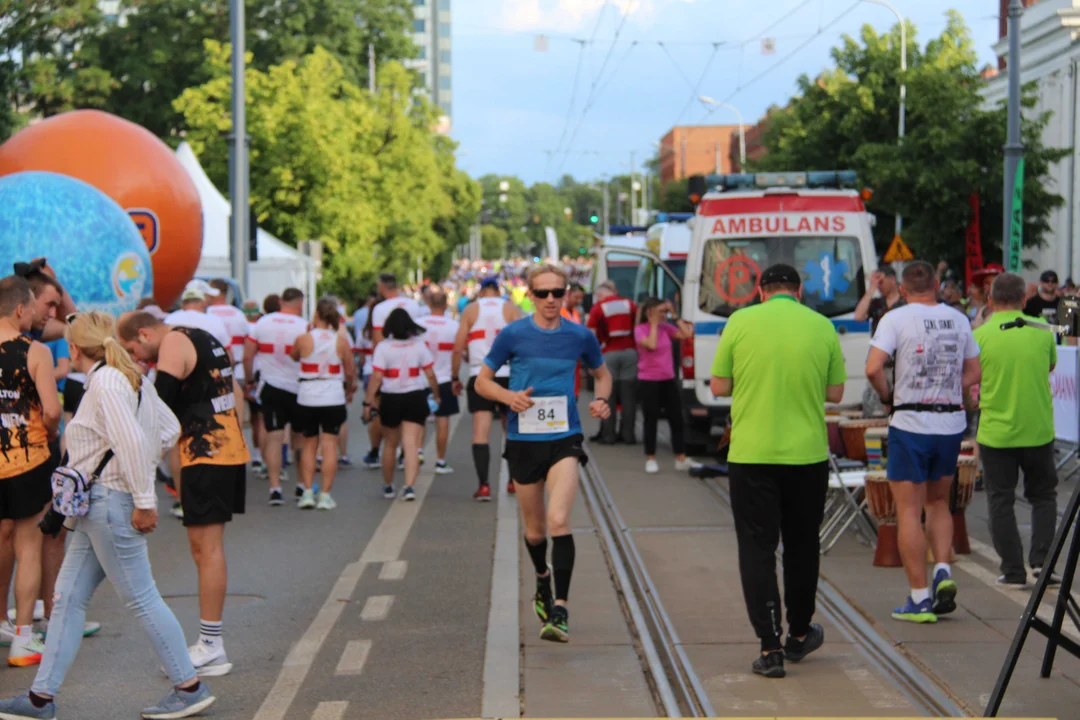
(547,415)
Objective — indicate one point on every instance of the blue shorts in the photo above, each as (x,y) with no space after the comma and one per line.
(918,458)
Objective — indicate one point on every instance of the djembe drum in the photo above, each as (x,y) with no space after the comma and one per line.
(963,491)
(836,441)
(876,442)
(882,506)
(853,432)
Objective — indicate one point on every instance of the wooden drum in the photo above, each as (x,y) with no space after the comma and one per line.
(876,441)
(967,468)
(882,506)
(853,432)
(836,441)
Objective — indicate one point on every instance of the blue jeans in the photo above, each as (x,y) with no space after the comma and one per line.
(105,544)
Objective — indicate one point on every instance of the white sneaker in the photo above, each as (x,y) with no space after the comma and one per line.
(325,502)
(687,465)
(652,467)
(7,633)
(41,627)
(26,651)
(306,501)
(441,468)
(39,612)
(208,661)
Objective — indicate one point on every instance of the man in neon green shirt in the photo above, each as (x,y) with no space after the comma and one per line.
(780,362)
(1016,429)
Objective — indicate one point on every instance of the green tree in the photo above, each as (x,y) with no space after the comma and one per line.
(846,119)
(330,162)
(675,197)
(10,119)
(50,66)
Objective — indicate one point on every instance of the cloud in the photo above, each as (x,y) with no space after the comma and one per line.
(574,15)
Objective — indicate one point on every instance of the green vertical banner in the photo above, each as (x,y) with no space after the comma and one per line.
(1016,231)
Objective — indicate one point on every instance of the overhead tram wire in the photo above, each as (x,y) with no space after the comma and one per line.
(697,87)
(687,80)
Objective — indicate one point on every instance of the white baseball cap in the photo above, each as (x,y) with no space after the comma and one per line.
(198,290)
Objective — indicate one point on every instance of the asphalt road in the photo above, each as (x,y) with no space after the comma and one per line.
(426,630)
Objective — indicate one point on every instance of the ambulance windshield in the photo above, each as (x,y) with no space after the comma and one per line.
(831,269)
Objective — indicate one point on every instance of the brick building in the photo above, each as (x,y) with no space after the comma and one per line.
(698,150)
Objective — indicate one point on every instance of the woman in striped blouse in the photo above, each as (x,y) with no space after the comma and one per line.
(122,414)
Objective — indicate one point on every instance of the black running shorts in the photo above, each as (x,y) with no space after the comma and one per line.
(212,494)
(326,419)
(279,408)
(448,402)
(24,496)
(529,461)
(396,408)
(479,403)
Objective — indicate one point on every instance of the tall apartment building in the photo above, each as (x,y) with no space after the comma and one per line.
(431,31)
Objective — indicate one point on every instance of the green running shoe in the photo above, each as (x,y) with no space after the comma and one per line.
(944,593)
(557,628)
(915,612)
(543,601)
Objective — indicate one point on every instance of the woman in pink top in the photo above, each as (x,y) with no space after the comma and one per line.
(657,388)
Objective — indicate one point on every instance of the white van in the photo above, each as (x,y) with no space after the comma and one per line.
(743,224)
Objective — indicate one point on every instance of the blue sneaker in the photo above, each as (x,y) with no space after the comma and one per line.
(20,708)
(915,612)
(408,494)
(944,593)
(388,492)
(180,704)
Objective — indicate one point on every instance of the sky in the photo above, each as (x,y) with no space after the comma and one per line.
(518,111)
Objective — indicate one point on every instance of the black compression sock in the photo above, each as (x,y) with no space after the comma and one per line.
(38,701)
(562,563)
(538,553)
(481,454)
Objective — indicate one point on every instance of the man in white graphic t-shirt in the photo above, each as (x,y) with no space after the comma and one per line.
(937,362)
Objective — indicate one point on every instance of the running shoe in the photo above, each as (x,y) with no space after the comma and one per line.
(21,707)
(257,465)
(652,467)
(915,612)
(180,704)
(420,454)
(543,600)
(687,465)
(208,661)
(344,461)
(7,633)
(510,488)
(325,502)
(371,461)
(25,652)
(796,650)
(276,497)
(1037,572)
(482,494)
(318,463)
(177,511)
(39,612)
(299,492)
(1014,583)
(944,593)
(408,494)
(41,627)
(441,468)
(401,461)
(770,665)
(307,500)
(557,628)
(388,492)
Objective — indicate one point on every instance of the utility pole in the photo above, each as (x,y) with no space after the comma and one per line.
(238,187)
(607,209)
(633,194)
(371,67)
(1014,148)
(719,167)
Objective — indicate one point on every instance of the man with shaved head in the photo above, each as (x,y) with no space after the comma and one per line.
(441,334)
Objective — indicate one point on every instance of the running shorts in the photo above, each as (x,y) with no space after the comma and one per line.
(448,402)
(279,408)
(479,403)
(313,420)
(530,461)
(212,494)
(396,408)
(24,496)
(73,394)
(918,457)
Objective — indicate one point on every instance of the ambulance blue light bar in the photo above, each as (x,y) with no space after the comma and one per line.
(762,181)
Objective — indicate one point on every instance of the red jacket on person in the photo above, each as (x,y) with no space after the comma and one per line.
(613,320)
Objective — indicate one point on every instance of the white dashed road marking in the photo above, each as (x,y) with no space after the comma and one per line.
(377,608)
(394,570)
(330,710)
(353,658)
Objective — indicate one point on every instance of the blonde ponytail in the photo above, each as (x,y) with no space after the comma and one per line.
(92,333)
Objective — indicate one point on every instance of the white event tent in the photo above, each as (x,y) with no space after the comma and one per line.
(278,267)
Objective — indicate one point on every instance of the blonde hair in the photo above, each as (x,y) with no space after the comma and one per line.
(92,333)
(546,269)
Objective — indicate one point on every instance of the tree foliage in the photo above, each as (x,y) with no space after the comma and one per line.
(846,118)
(519,223)
(331,162)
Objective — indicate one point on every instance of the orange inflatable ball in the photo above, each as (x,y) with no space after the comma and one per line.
(134,168)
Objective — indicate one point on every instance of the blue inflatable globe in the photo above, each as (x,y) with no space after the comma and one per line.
(90,241)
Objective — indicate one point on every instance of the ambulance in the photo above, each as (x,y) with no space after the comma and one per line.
(814,221)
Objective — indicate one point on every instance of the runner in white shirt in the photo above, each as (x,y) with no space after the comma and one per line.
(192,312)
(481,321)
(392,300)
(327,384)
(272,340)
(441,334)
(937,362)
(401,364)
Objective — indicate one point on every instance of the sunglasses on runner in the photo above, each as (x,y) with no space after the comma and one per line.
(543,294)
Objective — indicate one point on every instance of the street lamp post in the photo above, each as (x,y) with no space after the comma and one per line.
(238,180)
(1014,148)
(705,100)
(903,85)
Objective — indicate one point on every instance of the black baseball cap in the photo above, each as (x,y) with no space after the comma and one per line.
(1049,276)
(780,273)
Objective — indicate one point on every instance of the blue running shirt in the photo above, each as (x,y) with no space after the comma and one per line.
(544,360)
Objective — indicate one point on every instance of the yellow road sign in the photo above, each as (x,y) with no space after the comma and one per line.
(898,251)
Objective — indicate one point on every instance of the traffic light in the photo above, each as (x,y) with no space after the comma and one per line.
(594,217)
